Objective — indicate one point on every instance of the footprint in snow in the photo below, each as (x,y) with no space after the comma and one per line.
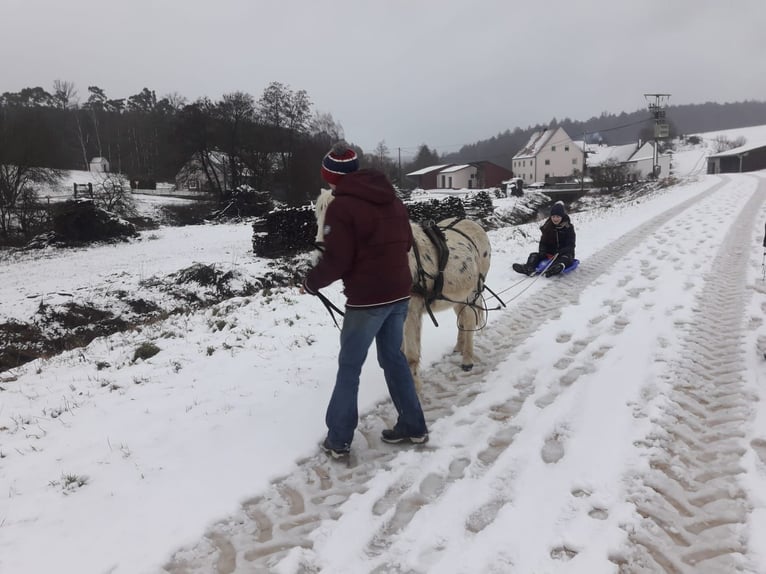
(759,446)
(563,337)
(553,449)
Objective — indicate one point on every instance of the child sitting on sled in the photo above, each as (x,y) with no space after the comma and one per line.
(557,241)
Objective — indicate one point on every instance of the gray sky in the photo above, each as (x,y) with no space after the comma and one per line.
(407,72)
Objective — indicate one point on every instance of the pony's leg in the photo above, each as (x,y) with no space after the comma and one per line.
(468,318)
(413,326)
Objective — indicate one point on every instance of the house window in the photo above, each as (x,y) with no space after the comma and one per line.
(193,185)
(444,181)
(523,164)
(547,162)
(566,148)
(553,148)
(450,182)
(574,161)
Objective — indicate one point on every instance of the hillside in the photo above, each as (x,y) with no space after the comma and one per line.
(617,129)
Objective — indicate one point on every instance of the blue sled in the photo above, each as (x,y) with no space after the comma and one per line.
(544,263)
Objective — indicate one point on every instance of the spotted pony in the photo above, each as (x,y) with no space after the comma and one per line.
(458,285)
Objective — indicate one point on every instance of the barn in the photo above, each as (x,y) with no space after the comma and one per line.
(744,158)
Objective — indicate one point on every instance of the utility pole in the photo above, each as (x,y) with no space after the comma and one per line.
(585,153)
(661,127)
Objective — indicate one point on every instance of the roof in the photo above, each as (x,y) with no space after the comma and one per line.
(739,150)
(429,169)
(601,154)
(538,141)
(455,168)
(99,160)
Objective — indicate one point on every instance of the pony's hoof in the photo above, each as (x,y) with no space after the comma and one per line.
(467,367)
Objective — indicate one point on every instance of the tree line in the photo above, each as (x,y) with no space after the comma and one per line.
(273,143)
(618,129)
(268,143)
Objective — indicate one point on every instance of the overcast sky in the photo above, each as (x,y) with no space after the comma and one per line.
(408,72)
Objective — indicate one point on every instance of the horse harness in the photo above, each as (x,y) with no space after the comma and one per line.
(420,286)
(439,240)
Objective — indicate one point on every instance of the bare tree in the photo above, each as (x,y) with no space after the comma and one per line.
(323,124)
(64,94)
(95,104)
(235,111)
(17,183)
(82,138)
(112,193)
(24,138)
(722,143)
(174,101)
(609,174)
(289,113)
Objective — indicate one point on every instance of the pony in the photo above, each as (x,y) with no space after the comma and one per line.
(459,284)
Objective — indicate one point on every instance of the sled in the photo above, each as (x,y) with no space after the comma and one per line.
(544,263)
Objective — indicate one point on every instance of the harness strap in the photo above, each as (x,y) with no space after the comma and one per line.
(439,240)
(330,308)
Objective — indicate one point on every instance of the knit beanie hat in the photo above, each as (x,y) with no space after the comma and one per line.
(339,161)
(558,209)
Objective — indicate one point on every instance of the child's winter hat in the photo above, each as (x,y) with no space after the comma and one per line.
(558,209)
(339,161)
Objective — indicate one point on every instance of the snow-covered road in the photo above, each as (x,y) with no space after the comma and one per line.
(614,420)
(605,429)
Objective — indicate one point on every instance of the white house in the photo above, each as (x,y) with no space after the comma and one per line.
(427,177)
(193,177)
(99,164)
(601,154)
(636,160)
(642,160)
(548,154)
(457,177)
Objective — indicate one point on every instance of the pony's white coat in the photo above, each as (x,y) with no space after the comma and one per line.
(464,275)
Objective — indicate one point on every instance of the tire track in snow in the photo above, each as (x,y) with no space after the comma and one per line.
(693,512)
(279,524)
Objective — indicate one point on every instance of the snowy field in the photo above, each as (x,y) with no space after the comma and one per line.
(614,421)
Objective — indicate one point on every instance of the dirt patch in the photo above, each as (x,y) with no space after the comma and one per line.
(57,328)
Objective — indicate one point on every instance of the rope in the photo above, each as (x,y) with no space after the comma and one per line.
(523,279)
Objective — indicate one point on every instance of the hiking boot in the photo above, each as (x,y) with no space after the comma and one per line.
(335,452)
(523,269)
(393,436)
(554,269)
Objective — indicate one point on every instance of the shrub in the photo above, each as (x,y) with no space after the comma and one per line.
(145,351)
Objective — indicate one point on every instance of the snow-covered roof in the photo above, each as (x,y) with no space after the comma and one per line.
(600,154)
(739,150)
(539,140)
(646,152)
(536,142)
(429,169)
(454,168)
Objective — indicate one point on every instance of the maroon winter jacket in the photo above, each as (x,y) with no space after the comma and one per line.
(367,236)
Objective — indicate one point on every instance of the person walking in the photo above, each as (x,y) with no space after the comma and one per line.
(557,240)
(367,237)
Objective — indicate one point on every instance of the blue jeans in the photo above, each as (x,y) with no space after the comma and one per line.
(385,324)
